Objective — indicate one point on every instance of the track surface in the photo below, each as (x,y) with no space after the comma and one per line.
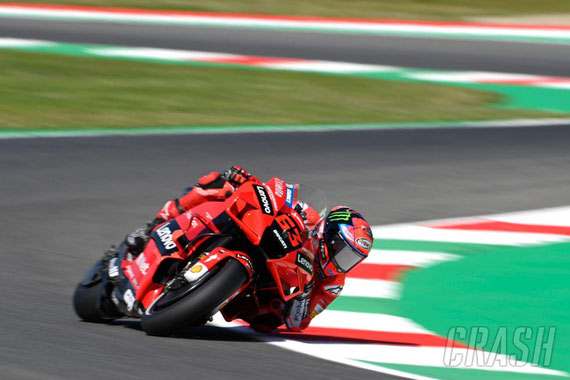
(529,58)
(63,201)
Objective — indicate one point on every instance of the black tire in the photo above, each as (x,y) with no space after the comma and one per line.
(198,304)
(89,300)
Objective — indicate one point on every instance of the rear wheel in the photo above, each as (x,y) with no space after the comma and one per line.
(89,299)
(192,304)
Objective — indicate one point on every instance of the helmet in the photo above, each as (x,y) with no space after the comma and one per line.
(346,241)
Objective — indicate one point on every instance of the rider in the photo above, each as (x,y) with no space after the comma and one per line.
(340,241)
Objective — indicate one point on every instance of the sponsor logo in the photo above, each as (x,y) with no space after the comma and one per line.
(304,263)
(113,268)
(290,195)
(318,310)
(279,188)
(263,198)
(129,299)
(196,268)
(195,272)
(364,243)
(305,308)
(142,264)
(132,277)
(300,311)
(339,216)
(334,289)
(163,238)
(272,196)
(247,261)
(278,236)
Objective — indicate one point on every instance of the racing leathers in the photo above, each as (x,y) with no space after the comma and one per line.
(299,312)
(295,314)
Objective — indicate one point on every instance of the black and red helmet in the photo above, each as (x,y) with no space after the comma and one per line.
(346,241)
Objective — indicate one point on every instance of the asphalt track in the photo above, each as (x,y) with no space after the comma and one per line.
(436,53)
(62,201)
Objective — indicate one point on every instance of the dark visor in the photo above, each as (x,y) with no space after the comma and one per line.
(343,256)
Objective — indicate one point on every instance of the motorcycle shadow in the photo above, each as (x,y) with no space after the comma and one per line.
(208,332)
(244,334)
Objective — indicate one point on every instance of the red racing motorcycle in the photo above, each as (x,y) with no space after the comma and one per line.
(232,256)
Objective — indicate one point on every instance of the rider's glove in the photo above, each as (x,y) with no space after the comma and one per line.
(237,176)
(137,239)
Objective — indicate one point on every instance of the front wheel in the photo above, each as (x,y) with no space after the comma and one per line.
(191,304)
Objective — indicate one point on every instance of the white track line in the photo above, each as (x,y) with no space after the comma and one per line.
(411,258)
(156,53)
(372,288)
(559,216)
(245,21)
(367,321)
(414,232)
(424,356)
(330,67)
(19,42)
(473,77)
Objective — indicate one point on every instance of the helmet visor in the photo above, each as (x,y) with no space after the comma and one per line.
(343,256)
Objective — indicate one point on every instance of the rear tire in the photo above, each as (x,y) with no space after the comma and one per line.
(199,304)
(89,298)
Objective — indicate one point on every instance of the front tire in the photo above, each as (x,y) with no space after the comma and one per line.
(198,304)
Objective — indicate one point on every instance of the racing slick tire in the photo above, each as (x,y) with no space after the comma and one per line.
(89,299)
(196,306)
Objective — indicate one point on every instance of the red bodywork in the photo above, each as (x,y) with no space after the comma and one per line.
(255,209)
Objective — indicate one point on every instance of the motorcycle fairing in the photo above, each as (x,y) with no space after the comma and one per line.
(197,226)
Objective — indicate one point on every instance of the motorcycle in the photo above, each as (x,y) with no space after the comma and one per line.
(231,256)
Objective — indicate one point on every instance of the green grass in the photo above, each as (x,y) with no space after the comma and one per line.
(52,91)
(416,9)
(496,288)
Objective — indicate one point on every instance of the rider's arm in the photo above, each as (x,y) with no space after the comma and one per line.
(211,187)
(303,309)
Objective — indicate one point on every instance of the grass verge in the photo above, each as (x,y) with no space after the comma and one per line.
(414,9)
(53,91)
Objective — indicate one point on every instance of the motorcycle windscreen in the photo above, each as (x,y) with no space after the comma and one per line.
(312,196)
